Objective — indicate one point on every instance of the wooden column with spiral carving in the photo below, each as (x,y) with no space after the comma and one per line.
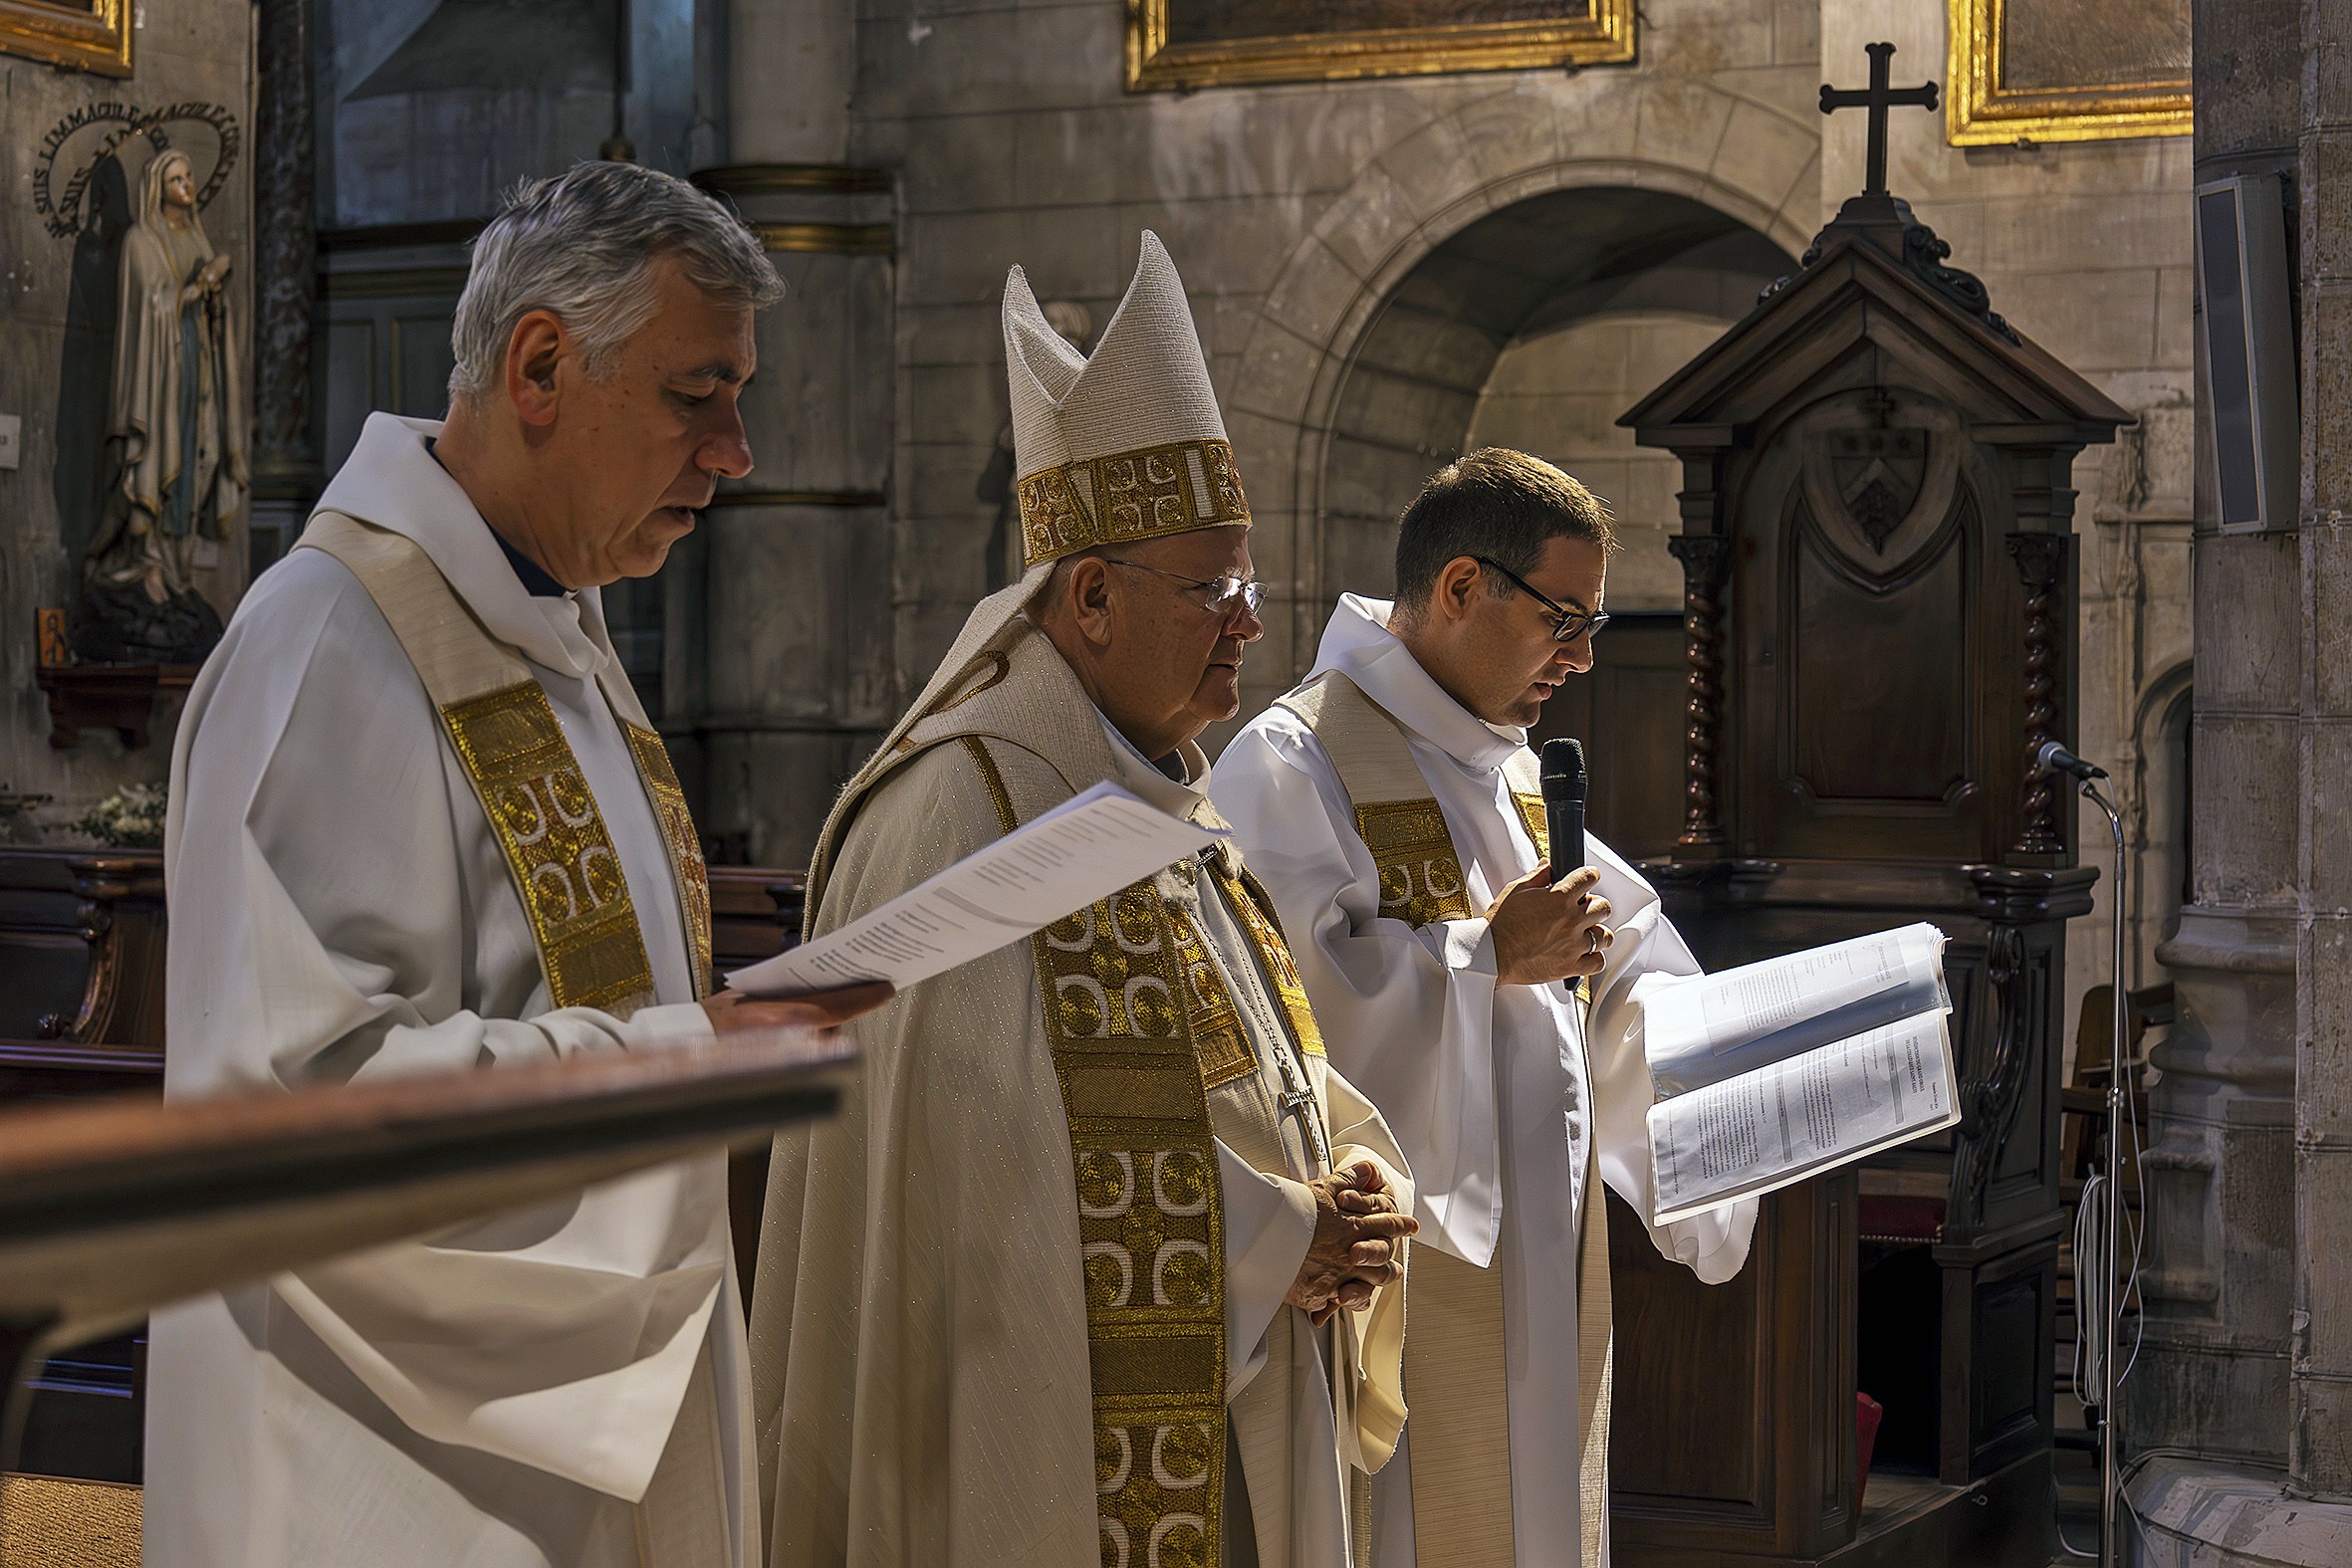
(1707,565)
(2041,559)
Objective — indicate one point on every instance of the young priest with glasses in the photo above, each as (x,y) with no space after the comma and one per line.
(1394,811)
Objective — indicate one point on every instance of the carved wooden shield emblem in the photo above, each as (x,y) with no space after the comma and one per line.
(1877,474)
(1880,494)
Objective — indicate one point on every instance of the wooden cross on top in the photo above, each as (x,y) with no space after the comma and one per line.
(1878,97)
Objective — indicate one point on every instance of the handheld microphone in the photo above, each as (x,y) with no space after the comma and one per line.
(1563,805)
(2057,760)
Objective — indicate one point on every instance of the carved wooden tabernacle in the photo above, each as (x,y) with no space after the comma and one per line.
(1880,621)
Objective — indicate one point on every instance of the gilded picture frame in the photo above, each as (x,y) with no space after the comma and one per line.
(1987,107)
(1159,61)
(93,36)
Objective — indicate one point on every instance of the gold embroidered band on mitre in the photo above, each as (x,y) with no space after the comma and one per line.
(542,812)
(1454,1367)
(1147,492)
(1138,1018)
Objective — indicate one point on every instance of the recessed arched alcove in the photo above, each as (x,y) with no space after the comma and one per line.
(1534,327)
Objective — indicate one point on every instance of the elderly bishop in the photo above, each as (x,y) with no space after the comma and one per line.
(419,824)
(1099,1266)
(1395,811)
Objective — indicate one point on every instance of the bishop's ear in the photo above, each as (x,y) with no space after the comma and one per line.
(533,353)
(1086,596)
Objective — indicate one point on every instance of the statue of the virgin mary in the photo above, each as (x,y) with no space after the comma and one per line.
(176,436)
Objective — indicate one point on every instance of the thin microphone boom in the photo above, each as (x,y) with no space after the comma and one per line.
(1563,805)
(2055,759)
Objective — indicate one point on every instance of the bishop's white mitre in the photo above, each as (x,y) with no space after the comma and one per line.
(1127,444)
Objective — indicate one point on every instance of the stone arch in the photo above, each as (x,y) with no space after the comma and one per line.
(2158,813)
(1679,138)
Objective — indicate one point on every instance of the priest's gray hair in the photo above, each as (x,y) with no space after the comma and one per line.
(582,244)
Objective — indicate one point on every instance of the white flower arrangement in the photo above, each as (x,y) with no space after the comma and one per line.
(130,819)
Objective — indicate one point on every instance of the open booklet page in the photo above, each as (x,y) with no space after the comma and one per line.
(1779,1070)
(1082,851)
(1711,1027)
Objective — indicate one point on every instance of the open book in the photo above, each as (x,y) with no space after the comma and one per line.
(1775,1071)
(1084,849)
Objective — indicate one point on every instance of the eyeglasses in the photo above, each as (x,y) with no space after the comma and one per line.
(1570,624)
(1226,594)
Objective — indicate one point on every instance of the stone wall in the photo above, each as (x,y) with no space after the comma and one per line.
(2220,1169)
(431,110)
(192,54)
(2319,1450)
(2249,1329)
(1557,393)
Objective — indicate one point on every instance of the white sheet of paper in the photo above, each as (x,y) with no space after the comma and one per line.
(1827,1108)
(1084,849)
(1714,1014)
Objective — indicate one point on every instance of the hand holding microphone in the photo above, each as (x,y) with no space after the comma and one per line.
(1551,924)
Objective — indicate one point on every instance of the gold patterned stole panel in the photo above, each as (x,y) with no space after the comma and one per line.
(549,827)
(547,821)
(1248,898)
(683,843)
(1530,817)
(1137,1017)
(1420,875)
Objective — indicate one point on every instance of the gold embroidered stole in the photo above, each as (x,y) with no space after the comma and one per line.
(1143,1027)
(1455,1376)
(1140,1023)
(541,810)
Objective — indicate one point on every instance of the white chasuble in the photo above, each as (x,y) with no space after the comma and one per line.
(1502,1097)
(563,1387)
(979,1301)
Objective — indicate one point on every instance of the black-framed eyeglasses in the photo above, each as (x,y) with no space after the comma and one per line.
(1226,594)
(1567,624)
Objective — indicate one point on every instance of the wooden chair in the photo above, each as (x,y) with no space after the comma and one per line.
(2084,1100)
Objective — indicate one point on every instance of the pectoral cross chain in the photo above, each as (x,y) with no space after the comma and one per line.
(1878,97)
(1297,1099)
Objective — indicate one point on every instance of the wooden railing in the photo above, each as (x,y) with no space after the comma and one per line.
(111,1209)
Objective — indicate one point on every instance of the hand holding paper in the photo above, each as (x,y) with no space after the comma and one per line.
(1084,849)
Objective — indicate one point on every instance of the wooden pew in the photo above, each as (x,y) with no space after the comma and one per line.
(81,972)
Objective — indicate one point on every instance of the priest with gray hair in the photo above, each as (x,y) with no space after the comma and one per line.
(420,823)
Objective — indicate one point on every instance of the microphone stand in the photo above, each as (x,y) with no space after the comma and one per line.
(2111,1291)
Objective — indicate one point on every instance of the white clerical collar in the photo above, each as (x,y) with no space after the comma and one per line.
(1157,783)
(1359,644)
(392,481)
